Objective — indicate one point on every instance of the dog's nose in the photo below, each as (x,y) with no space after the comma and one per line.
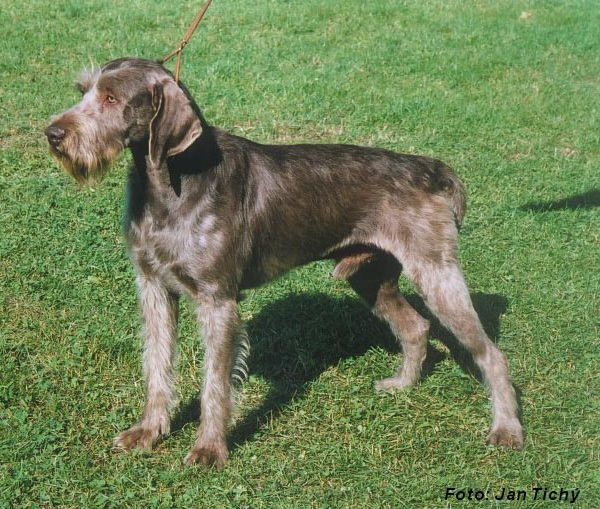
(55,135)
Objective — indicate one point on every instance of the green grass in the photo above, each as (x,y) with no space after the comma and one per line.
(509,100)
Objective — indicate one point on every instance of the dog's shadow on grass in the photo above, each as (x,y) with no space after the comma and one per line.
(587,200)
(295,339)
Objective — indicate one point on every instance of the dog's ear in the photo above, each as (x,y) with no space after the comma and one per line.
(174,126)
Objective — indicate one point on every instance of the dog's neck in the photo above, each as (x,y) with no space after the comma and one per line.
(200,157)
(139,152)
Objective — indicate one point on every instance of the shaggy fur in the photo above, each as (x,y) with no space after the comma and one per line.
(210,214)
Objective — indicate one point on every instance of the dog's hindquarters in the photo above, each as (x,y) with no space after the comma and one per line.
(421,240)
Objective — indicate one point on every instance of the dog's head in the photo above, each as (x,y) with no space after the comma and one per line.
(125,102)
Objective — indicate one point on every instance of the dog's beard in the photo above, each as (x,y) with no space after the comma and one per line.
(87,167)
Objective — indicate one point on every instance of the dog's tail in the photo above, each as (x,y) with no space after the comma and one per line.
(455,190)
(242,353)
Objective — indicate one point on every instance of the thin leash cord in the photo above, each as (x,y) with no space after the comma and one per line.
(190,31)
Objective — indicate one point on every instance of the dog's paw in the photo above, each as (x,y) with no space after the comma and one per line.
(207,456)
(392,384)
(137,437)
(509,437)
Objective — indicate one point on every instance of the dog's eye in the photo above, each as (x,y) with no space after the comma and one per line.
(111,99)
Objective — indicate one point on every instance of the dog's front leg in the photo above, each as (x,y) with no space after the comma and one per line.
(159,309)
(221,327)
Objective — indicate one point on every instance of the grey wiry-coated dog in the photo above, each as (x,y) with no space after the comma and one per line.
(210,214)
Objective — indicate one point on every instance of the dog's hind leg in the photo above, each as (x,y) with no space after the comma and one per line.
(374,276)
(443,287)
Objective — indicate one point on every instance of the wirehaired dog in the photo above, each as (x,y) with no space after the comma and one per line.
(210,214)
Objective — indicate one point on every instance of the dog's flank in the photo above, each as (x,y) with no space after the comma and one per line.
(210,214)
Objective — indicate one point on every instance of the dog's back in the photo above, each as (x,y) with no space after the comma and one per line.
(304,202)
(309,170)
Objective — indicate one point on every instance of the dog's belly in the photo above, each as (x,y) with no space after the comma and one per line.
(285,249)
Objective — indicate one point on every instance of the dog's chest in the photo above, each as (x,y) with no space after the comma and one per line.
(179,250)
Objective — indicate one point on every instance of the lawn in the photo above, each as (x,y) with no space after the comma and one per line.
(505,91)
